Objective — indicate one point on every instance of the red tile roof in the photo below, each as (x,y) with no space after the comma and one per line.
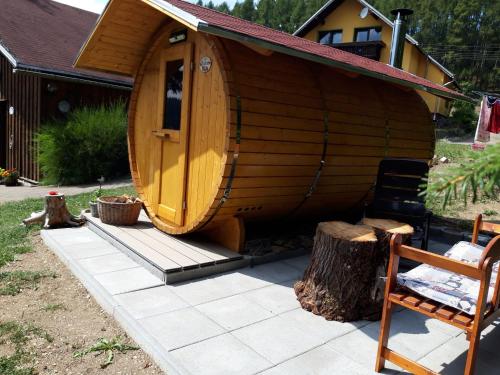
(210,19)
(43,35)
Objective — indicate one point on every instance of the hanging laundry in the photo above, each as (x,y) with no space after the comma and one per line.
(494,123)
(482,133)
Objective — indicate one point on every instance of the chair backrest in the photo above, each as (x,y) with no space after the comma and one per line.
(484,226)
(398,188)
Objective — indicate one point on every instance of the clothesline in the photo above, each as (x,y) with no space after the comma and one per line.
(489,118)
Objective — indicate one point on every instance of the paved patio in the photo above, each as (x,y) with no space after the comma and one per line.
(248,321)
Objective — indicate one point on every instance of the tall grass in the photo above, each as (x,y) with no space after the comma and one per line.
(91,143)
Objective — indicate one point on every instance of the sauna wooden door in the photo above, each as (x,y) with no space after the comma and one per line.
(173,130)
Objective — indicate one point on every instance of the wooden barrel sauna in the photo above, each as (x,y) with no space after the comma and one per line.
(223,131)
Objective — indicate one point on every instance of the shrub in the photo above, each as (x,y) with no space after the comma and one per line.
(464,116)
(91,143)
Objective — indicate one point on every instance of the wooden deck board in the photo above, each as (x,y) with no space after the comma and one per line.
(138,247)
(174,257)
(180,258)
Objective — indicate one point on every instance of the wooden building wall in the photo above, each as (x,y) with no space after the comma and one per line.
(34,104)
(288,107)
(310,141)
(22,92)
(77,95)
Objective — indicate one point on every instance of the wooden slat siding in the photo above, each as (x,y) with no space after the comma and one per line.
(132,22)
(21,91)
(284,102)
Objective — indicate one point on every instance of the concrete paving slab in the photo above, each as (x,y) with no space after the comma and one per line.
(276,272)
(240,281)
(179,328)
(90,249)
(107,263)
(319,326)
(277,339)
(300,263)
(234,312)
(319,361)
(149,302)
(361,347)
(413,335)
(276,298)
(128,280)
(201,291)
(449,359)
(221,355)
(75,236)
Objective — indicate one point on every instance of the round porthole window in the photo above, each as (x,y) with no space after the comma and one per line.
(64,106)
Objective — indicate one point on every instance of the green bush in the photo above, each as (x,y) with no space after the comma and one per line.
(464,116)
(91,143)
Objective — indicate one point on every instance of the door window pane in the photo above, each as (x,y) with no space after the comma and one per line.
(173,95)
(330,37)
(324,38)
(362,36)
(374,35)
(337,37)
(369,34)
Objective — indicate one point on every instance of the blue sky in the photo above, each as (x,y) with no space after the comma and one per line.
(97,6)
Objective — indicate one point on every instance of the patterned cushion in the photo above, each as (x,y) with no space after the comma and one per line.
(449,288)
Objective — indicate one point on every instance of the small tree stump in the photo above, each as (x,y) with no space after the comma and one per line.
(337,281)
(55,214)
(384,229)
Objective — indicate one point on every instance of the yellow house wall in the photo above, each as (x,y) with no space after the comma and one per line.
(346,17)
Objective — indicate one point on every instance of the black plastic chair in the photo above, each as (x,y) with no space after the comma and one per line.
(397,194)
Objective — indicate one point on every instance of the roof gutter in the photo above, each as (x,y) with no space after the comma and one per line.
(4,51)
(73,77)
(209,29)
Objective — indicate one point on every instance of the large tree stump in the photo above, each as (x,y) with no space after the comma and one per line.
(337,281)
(384,229)
(55,214)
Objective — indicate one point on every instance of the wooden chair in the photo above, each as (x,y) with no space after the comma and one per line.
(397,194)
(486,311)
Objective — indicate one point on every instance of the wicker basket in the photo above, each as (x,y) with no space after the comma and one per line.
(114,213)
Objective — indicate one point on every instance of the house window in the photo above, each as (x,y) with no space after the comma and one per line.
(330,37)
(173,96)
(368,34)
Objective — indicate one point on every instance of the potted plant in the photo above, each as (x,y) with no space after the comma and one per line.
(1,173)
(96,194)
(10,177)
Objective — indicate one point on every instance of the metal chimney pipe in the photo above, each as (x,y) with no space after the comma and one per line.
(399,36)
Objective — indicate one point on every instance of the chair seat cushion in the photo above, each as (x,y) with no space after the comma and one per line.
(449,288)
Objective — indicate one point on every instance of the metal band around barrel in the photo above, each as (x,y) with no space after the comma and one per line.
(236,155)
(322,163)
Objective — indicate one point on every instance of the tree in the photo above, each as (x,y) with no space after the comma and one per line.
(224,8)
(248,11)
(265,13)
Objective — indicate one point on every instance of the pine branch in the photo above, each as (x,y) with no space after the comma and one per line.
(479,176)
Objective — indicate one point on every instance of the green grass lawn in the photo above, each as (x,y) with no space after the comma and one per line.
(456,153)
(15,238)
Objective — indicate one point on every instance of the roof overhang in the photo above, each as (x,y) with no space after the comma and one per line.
(9,56)
(72,77)
(63,75)
(325,61)
(201,25)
